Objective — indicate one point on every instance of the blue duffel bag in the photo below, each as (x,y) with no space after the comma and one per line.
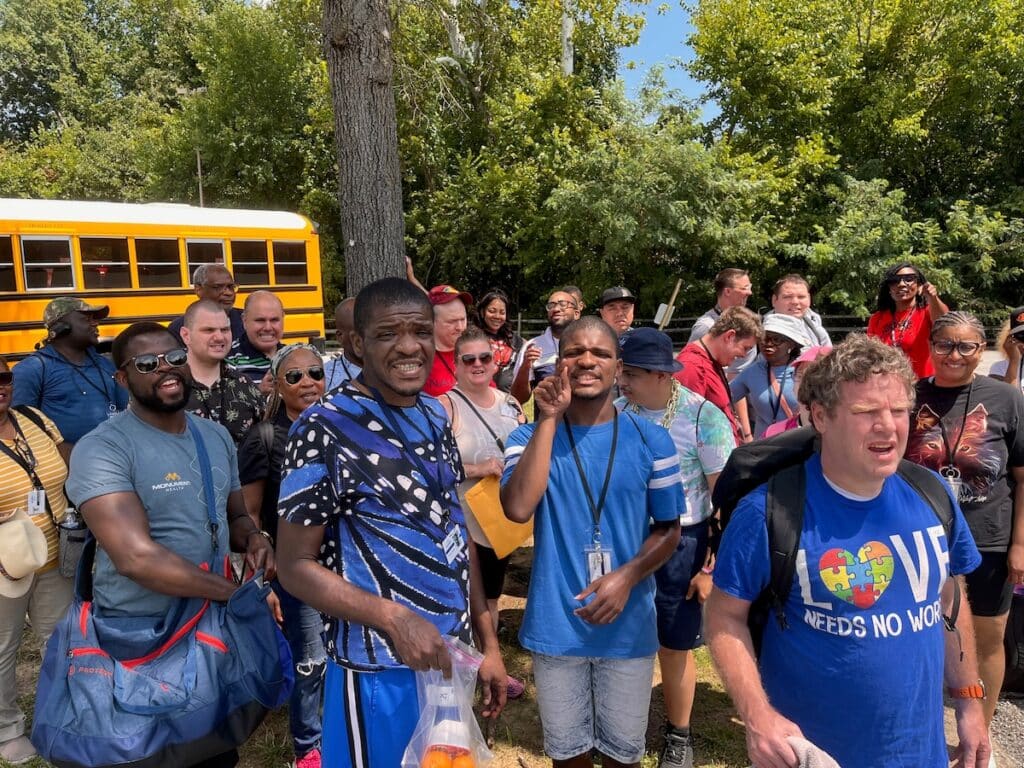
(128,691)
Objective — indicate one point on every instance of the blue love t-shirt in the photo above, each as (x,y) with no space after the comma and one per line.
(644,485)
(860,666)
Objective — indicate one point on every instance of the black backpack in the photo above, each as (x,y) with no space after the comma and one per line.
(779,461)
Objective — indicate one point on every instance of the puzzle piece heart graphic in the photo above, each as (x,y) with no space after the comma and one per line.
(859,580)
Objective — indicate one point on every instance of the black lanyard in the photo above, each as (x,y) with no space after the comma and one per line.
(951,454)
(595,509)
(27,463)
(723,378)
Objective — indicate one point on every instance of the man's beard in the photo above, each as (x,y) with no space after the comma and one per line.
(153,401)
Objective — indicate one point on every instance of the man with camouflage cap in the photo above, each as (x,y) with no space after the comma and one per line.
(67,379)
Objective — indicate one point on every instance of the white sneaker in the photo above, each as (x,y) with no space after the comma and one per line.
(17,751)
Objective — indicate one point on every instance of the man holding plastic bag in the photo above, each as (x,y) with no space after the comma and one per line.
(373,536)
(595,479)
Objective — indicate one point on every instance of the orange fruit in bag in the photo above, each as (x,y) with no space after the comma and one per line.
(436,757)
(464,761)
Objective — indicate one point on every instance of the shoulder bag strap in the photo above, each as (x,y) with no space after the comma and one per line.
(265,430)
(498,440)
(208,492)
(33,415)
(785,517)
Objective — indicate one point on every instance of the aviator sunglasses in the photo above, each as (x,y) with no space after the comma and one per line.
(294,375)
(485,358)
(148,363)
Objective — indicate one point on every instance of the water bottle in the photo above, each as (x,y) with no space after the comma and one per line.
(72,533)
(71,520)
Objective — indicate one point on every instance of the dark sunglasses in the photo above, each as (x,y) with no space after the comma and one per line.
(485,358)
(897,279)
(148,363)
(1018,337)
(6,378)
(294,375)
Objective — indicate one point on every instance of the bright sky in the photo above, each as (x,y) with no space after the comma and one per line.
(663,41)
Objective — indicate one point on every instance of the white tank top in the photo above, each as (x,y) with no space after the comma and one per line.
(476,444)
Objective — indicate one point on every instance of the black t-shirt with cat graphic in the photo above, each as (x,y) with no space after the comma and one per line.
(985,435)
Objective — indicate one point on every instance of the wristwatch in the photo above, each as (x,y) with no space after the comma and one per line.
(976,691)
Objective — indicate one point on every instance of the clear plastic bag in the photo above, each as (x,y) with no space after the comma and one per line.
(447,734)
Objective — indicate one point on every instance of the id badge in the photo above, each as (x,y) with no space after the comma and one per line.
(953,478)
(453,545)
(36,502)
(599,562)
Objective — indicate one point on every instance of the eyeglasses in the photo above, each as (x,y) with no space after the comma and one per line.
(294,375)
(148,363)
(562,304)
(6,378)
(897,279)
(965,348)
(220,287)
(485,358)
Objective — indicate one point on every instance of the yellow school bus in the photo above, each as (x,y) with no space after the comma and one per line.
(139,259)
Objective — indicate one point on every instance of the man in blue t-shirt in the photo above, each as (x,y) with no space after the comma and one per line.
(593,479)
(68,379)
(858,670)
(373,536)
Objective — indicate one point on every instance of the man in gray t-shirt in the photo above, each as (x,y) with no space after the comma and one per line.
(732,289)
(138,481)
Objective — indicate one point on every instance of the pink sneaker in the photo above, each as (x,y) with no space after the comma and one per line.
(309,760)
(514,688)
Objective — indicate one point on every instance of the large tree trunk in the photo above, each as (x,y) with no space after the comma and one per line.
(357,37)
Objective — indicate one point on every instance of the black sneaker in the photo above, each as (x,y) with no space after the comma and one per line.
(677,752)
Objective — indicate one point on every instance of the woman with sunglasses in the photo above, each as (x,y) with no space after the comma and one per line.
(907,306)
(297,372)
(482,419)
(970,429)
(33,469)
(1011,343)
(505,343)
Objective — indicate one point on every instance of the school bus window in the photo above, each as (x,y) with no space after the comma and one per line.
(158,263)
(290,263)
(105,262)
(249,262)
(47,262)
(203,252)
(6,264)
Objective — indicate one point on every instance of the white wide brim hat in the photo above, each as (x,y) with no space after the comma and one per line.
(23,551)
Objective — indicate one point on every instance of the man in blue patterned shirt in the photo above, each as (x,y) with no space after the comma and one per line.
(373,536)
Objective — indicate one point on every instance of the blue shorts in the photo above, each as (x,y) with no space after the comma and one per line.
(368,717)
(679,619)
(590,702)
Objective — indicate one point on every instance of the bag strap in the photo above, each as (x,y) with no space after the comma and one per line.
(37,483)
(33,415)
(466,400)
(784,512)
(211,498)
(933,491)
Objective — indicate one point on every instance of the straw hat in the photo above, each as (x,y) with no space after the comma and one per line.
(23,551)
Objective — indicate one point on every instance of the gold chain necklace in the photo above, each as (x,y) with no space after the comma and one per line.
(671,408)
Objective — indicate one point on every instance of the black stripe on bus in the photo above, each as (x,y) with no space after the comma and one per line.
(129,319)
(138,293)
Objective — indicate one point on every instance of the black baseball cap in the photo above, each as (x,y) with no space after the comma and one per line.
(618,293)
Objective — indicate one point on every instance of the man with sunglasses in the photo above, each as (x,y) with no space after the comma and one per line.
(139,484)
(537,357)
(67,379)
(214,282)
(218,393)
(372,535)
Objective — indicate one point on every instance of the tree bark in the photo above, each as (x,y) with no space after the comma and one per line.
(568,49)
(357,40)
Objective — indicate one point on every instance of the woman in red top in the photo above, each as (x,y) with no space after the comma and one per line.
(907,306)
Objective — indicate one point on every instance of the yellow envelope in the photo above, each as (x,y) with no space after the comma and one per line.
(485,501)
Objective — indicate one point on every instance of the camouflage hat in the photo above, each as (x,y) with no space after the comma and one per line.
(60,308)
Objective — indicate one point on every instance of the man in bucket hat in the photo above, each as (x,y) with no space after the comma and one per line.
(67,379)
(703,440)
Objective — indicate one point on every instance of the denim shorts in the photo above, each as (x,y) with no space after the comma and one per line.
(588,702)
(679,619)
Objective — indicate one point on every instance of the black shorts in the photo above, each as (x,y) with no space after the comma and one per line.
(492,571)
(988,591)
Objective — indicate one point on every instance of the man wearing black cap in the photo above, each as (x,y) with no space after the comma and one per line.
(703,440)
(1011,370)
(616,307)
(67,379)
